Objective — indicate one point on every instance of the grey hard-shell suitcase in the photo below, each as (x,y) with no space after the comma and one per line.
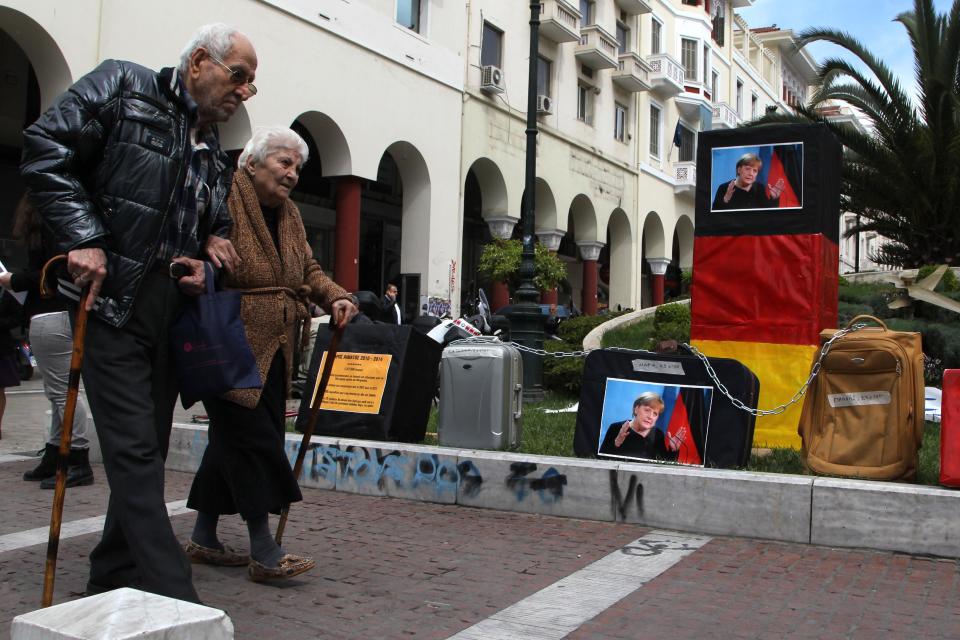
(481,389)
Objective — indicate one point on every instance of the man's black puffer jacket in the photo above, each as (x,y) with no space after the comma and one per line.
(105,165)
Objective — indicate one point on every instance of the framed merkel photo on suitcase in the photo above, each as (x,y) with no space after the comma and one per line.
(650,421)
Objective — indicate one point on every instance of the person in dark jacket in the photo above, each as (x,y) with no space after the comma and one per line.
(127,171)
(51,340)
(389,309)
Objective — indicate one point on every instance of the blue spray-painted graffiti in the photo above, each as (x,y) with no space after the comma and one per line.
(549,486)
(433,471)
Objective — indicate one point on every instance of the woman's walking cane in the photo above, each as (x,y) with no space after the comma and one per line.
(69,407)
(331,355)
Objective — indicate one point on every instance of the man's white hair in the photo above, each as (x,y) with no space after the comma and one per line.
(267,140)
(216,38)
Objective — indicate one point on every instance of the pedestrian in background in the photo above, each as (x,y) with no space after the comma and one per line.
(245,468)
(390,310)
(11,317)
(127,171)
(51,340)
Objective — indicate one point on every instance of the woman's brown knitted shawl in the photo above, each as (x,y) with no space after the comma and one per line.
(274,285)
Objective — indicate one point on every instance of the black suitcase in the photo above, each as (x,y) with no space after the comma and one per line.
(408,391)
(721,433)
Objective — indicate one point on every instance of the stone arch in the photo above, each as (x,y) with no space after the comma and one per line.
(493,188)
(415,178)
(683,233)
(620,247)
(45,56)
(584,219)
(331,144)
(545,205)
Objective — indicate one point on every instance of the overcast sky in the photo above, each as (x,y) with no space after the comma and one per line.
(870,21)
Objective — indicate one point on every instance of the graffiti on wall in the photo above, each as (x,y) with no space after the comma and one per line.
(549,486)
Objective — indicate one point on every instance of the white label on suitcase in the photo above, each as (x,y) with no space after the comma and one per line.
(659,366)
(858,399)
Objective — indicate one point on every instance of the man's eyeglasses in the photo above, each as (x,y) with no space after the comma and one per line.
(237,76)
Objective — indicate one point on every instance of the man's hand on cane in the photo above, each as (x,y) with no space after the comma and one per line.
(88,266)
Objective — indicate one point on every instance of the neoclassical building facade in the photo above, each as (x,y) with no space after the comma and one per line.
(414,111)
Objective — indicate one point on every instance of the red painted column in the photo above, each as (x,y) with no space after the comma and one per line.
(346,268)
(549,296)
(501,296)
(589,300)
(658,267)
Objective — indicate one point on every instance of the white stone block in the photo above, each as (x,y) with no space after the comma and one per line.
(120,614)
(885,515)
(718,501)
(536,484)
(187,444)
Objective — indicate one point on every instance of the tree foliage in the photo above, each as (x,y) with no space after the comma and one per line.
(903,178)
(500,261)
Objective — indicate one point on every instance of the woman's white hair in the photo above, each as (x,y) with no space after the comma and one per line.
(216,38)
(267,140)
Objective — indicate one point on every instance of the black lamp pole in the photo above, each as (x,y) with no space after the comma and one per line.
(526,319)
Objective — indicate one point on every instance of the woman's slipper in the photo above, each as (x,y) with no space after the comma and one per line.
(290,565)
(226,557)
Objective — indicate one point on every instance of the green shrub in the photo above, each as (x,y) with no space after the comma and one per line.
(843,282)
(562,375)
(865,292)
(948,283)
(671,322)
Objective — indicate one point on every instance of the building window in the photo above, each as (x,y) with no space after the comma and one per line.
(706,64)
(409,14)
(623,37)
(739,104)
(620,122)
(655,119)
(692,3)
(688,58)
(543,76)
(754,105)
(586,12)
(719,21)
(585,103)
(715,87)
(688,143)
(656,36)
(491,46)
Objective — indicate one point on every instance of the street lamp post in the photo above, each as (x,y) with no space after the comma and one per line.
(526,319)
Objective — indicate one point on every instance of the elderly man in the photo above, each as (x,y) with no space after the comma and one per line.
(128,174)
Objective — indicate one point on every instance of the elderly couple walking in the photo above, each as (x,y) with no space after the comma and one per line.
(127,172)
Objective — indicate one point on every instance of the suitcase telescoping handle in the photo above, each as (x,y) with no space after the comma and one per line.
(870,318)
(517,400)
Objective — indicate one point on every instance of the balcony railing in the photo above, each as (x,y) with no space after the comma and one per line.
(685,176)
(632,73)
(597,48)
(666,74)
(559,21)
(725,116)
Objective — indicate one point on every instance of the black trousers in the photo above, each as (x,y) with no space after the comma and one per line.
(131,388)
(245,468)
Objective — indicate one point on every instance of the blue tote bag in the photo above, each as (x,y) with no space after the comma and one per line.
(210,348)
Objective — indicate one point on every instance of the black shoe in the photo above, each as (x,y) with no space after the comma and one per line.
(47,467)
(79,473)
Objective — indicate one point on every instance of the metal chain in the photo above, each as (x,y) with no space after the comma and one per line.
(696,352)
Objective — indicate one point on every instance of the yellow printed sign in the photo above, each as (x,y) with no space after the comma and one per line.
(356,382)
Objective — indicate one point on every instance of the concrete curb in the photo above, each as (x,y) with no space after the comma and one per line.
(803,509)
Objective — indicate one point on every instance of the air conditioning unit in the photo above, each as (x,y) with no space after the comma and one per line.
(544,104)
(491,79)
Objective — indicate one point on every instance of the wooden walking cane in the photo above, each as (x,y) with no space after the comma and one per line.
(69,407)
(312,422)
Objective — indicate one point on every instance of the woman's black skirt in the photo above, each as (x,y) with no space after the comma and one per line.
(245,468)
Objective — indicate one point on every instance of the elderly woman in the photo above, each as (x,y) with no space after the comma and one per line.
(639,437)
(245,469)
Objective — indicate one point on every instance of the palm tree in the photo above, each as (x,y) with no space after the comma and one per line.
(903,178)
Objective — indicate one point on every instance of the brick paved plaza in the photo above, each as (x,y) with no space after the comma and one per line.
(391,568)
